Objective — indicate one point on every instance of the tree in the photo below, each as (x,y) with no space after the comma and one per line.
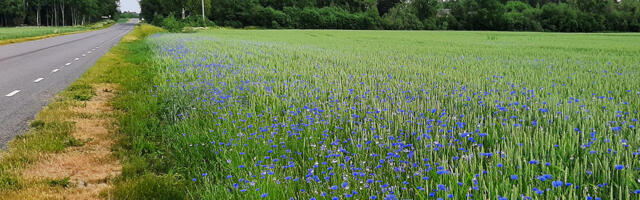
(385,5)
(425,8)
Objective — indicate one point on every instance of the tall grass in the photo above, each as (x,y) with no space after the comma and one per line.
(375,114)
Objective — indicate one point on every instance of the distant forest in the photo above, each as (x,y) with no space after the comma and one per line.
(503,15)
(54,12)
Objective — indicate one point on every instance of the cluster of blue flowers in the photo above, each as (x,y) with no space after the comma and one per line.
(274,120)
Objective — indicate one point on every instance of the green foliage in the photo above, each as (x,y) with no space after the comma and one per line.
(64,182)
(150,186)
(80,91)
(171,24)
(559,17)
(55,12)
(424,9)
(521,16)
(400,17)
(529,15)
(8,181)
(128,15)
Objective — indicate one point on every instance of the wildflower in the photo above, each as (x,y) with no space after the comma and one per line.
(557,183)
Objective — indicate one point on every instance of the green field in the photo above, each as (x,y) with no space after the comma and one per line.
(32,31)
(9,33)
(280,114)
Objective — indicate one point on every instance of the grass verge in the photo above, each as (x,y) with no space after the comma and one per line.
(79,128)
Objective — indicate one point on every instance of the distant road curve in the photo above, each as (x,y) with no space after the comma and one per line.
(31,73)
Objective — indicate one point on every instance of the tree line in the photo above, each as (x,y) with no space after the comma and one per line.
(512,15)
(55,12)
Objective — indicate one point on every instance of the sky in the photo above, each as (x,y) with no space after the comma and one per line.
(130,5)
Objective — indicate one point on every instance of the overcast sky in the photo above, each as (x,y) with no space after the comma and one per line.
(130,5)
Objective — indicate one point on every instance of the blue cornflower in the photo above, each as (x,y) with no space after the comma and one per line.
(264,195)
(538,191)
(542,178)
(194,179)
(335,187)
(500,165)
(373,197)
(636,192)
(556,183)
(345,184)
(533,162)
(619,167)
(514,177)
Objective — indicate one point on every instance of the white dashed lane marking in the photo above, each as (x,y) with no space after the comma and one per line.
(13,93)
(55,70)
(38,80)
(77,59)
(83,55)
(67,64)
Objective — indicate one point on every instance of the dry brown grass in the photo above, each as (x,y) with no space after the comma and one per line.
(89,166)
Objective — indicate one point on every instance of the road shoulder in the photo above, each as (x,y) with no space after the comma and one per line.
(67,153)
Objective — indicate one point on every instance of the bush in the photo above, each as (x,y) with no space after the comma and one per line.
(172,25)
(196,21)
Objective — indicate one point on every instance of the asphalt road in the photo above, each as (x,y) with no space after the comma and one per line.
(31,73)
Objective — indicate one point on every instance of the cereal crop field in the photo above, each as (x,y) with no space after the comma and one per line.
(310,114)
(22,32)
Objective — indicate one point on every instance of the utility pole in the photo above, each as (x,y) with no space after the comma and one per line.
(203,20)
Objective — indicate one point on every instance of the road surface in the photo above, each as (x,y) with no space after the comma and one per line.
(31,73)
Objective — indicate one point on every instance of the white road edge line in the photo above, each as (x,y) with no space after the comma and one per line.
(38,80)
(13,93)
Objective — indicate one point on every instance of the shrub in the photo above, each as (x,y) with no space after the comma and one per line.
(171,24)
